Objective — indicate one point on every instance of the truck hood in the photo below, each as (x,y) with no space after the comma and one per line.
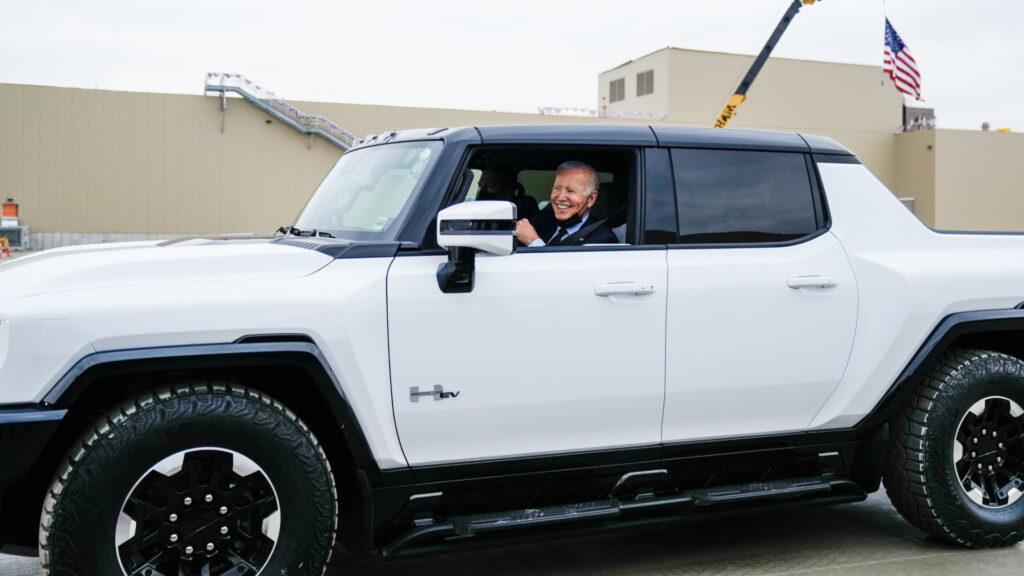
(160,262)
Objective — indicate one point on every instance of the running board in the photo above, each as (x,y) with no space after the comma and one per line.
(682,504)
(758,490)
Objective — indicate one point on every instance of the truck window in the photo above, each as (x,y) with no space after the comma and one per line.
(529,173)
(737,196)
(368,191)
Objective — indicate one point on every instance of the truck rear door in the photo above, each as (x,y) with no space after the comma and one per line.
(762,301)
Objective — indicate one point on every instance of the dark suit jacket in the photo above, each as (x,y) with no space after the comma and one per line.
(599,234)
(545,224)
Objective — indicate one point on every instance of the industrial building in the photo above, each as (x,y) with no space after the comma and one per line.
(95,165)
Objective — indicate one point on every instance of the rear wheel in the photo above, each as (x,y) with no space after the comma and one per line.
(200,479)
(955,466)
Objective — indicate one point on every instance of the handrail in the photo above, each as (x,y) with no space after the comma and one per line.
(269,102)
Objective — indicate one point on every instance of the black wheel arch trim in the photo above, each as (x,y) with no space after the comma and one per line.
(254,350)
(29,414)
(948,329)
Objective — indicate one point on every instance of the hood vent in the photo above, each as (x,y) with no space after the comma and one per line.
(339,249)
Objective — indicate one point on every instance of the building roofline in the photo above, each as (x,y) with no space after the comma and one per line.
(693,50)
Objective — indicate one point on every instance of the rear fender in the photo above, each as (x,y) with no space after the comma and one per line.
(997,330)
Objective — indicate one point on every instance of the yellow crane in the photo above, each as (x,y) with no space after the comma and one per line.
(741,93)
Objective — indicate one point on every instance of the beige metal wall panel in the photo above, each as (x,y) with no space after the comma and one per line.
(96,161)
(915,178)
(788,94)
(658,101)
(701,83)
(801,95)
(979,180)
(876,150)
(100,161)
(93,161)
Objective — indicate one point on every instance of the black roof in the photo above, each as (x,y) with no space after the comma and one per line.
(675,136)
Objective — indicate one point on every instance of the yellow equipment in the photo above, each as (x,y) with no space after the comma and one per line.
(741,93)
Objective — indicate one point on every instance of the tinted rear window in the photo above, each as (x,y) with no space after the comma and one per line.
(738,196)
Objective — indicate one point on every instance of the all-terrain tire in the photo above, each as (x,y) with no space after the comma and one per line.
(209,426)
(921,477)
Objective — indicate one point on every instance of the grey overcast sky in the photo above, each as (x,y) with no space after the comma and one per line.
(507,56)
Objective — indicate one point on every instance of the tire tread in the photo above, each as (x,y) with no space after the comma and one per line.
(119,415)
(916,496)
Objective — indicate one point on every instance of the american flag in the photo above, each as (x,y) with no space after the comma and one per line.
(899,64)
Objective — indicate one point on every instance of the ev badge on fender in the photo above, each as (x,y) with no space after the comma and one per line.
(438,393)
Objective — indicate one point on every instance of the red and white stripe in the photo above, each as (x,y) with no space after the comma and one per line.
(902,68)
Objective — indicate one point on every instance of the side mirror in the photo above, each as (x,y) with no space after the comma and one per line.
(485,225)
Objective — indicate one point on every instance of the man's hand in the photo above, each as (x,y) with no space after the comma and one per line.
(525,232)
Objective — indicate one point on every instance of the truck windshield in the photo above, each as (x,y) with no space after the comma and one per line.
(368,192)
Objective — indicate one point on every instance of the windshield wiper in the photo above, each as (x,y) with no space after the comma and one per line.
(293,231)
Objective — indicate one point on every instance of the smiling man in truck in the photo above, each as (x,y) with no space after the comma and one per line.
(572,197)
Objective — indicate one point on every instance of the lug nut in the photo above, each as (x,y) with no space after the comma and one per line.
(224,530)
(208,498)
(173,518)
(984,432)
(209,546)
(989,467)
(975,440)
(188,499)
(173,538)
(979,465)
(974,454)
(189,549)
(1000,445)
(994,433)
(999,459)
(223,510)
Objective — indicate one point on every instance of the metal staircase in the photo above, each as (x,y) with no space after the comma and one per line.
(268,102)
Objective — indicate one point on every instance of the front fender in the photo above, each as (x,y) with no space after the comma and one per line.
(259,351)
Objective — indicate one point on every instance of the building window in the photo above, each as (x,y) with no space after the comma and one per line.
(645,83)
(617,90)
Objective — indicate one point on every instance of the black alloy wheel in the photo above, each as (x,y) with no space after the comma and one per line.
(201,511)
(988,454)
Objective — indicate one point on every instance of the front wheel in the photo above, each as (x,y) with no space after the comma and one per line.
(955,466)
(204,479)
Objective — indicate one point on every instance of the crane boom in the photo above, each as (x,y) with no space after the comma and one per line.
(741,92)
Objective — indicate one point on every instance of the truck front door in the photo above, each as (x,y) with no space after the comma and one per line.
(552,352)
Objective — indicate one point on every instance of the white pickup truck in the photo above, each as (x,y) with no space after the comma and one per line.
(773,328)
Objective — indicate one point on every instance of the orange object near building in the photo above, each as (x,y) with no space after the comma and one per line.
(4,245)
(10,211)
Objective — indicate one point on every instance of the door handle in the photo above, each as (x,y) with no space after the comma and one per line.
(812,282)
(633,288)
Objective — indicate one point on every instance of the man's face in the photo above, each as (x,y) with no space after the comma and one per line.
(569,194)
(492,187)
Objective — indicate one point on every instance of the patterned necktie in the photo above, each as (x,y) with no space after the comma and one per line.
(560,235)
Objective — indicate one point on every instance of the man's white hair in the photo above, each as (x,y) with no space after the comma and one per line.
(595,180)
